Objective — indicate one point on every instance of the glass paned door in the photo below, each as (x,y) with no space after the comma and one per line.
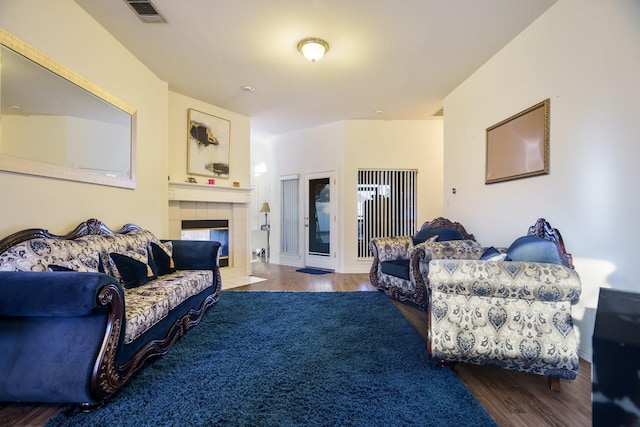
(319,221)
(319,216)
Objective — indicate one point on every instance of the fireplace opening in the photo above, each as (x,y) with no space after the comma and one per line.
(209,229)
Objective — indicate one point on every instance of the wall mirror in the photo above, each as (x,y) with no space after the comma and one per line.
(56,124)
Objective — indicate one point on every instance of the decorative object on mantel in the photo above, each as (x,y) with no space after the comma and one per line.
(202,192)
(236,184)
(192,180)
(212,182)
(208,140)
(518,147)
(266,209)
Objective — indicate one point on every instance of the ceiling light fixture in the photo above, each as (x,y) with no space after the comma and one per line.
(313,48)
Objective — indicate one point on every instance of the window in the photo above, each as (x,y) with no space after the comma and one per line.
(290,216)
(386,205)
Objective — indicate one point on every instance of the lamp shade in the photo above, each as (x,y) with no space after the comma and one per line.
(265,207)
(313,49)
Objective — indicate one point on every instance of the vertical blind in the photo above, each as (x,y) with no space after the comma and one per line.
(290,216)
(386,205)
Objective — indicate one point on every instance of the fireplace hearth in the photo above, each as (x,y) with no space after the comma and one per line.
(197,202)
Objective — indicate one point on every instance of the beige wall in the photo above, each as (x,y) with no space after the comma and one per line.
(584,56)
(63,31)
(239,144)
(343,148)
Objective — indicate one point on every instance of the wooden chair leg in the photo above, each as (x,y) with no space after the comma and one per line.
(554,383)
(444,363)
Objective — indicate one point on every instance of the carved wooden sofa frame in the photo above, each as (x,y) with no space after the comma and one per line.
(546,292)
(414,291)
(112,367)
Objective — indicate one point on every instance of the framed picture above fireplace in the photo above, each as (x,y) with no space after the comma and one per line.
(518,147)
(208,145)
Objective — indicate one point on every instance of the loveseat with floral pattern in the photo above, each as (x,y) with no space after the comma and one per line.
(401,263)
(81,313)
(510,309)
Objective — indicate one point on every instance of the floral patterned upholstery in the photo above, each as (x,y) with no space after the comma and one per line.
(38,254)
(82,254)
(414,290)
(145,305)
(513,315)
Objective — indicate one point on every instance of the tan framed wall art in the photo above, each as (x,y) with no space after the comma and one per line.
(518,147)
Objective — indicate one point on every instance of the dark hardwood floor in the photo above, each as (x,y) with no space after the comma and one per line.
(512,398)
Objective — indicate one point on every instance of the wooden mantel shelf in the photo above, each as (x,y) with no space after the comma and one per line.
(190,192)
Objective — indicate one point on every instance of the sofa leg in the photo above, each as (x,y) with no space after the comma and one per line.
(554,383)
(444,363)
(90,407)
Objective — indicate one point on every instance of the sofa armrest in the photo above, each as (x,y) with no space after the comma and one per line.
(51,294)
(391,248)
(423,253)
(196,255)
(505,279)
(424,247)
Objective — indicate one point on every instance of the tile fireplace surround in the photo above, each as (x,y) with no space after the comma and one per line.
(189,201)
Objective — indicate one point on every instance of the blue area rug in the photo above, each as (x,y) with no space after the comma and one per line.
(293,359)
(312,271)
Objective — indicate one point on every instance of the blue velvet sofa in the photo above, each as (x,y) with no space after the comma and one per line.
(81,313)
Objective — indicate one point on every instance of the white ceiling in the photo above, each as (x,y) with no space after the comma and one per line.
(400,56)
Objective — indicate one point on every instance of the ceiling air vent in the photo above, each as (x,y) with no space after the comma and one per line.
(146,11)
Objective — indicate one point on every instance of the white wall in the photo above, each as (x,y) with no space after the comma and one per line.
(585,57)
(261,183)
(318,149)
(63,31)
(344,147)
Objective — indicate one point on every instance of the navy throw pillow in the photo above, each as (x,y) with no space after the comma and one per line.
(489,253)
(55,267)
(533,249)
(163,262)
(133,272)
(444,234)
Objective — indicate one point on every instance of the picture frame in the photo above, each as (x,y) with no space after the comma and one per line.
(518,147)
(208,144)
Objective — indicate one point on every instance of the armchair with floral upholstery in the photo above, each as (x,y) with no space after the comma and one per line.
(512,312)
(401,263)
